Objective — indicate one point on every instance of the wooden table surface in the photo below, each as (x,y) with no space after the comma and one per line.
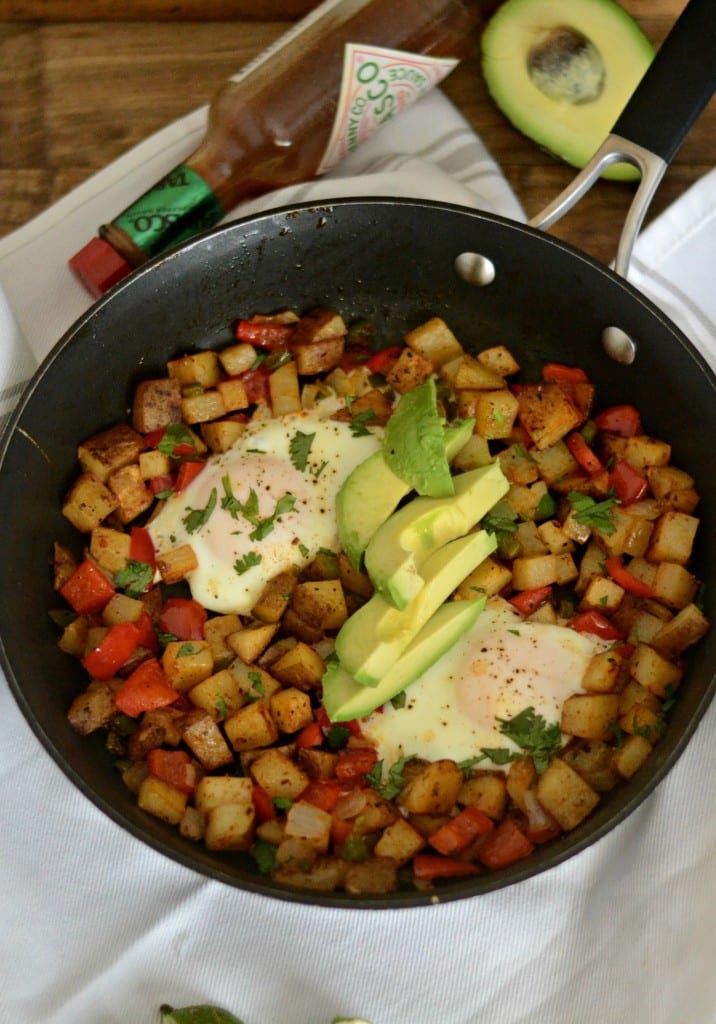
(83,81)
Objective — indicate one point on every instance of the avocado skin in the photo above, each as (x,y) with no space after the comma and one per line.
(374,637)
(402,544)
(344,698)
(573,133)
(373,491)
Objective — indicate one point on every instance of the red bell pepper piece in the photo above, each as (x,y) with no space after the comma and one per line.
(593,622)
(183,618)
(141,546)
(429,866)
(528,601)
(147,634)
(505,845)
(621,575)
(383,360)
(256,384)
(457,833)
(323,793)
(558,373)
(263,804)
(628,485)
(310,736)
(340,830)
(353,764)
(87,590)
(264,334)
(117,645)
(145,689)
(187,472)
(619,419)
(174,767)
(162,483)
(583,454)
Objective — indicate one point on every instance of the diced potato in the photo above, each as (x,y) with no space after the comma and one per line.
(318,764)
(93,709)
(517,465)
(233,394)
(653,671)
(254,681)
(682,501)
(371,877)
(408,371)
(354,580)
(132,494)
(278,775)
(495,412)
(602,594)
(686,628)
(230,827)
(664,479)
(122,608)
(219,695)
(639,711)
(631,534)
(373,404)
(674,585)
(74,637)
(566,570)
(197,368)
(251,727)
(377,813)
(250,643)
(592,564)
(526,500)
(487,791)
(593,760)
(307,822)
(193,824)
(206,742)
(187,662)
(236,359)
(631,755)
(291,709)
(473,454)
(88,503)
(216,630)
(153,463)
(319,325)
(326,874)
(174,565)
(544,613)
(111,450)
(603,672)
(163,801)
(643,570)
(219,790)
(554,537)
(301,666)
(499,359)
(529,573)
(221,435)
(489,578)
(209,405)
(590,715)
(433,790)
(321,603)
(109,548)
(275,596)
(399,842)
(347,382)
(64,564)
(434,341)
(565,794)
(318,356)
(284,392)
(520,778)
(529,541)
(547,414)
(472,374)
(636,622)
(642,451)
(554,462)
(157,403)
(673,538)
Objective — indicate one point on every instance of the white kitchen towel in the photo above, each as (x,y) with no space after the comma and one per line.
(98,928)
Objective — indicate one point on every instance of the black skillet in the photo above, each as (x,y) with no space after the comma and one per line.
(394,262)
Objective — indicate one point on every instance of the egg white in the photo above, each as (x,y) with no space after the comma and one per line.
(500,667)
(261,462)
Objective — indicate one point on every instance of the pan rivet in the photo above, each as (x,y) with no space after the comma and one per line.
(474,268)
(618,345)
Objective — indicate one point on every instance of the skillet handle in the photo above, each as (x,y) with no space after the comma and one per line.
(676,86)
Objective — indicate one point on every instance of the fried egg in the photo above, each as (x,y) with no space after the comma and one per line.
(500,667)
(266,505)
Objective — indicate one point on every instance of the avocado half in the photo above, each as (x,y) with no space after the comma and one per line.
(562,71)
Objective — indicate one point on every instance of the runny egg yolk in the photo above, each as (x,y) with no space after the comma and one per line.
(502,666)
(266,505)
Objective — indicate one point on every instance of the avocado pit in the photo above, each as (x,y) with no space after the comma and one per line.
(567,67)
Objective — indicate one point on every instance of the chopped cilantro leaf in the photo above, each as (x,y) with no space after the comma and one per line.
(299,448)
(242,565)
(198,517)
(358,423)
(175,434)
(589,512)
(135,578)
(532,733)
(394,783)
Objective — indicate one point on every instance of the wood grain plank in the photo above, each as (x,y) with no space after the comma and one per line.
(153,10)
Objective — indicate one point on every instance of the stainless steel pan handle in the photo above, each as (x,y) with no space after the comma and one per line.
(675,89)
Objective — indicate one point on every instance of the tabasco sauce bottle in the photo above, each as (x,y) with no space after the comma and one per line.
(288,116)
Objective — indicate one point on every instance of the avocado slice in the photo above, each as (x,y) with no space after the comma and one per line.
(344,698)
(373,491)
(399,548)
(563,70)
(370,642)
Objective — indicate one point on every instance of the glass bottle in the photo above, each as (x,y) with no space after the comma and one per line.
(288,116)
